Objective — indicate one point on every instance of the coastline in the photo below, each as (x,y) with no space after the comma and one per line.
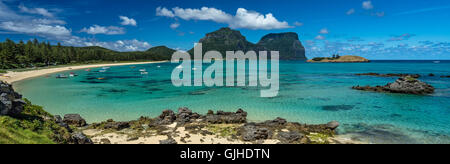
(12,76)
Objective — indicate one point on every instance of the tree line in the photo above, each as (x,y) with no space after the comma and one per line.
(38,54)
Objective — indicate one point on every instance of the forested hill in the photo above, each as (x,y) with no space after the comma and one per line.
(35,53)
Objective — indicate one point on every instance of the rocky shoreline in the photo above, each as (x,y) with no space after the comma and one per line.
(187,127)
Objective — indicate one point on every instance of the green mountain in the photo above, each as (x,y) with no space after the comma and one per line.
(226,39)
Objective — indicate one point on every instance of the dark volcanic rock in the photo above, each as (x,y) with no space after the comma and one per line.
(406,85)
(333,125)
(227,117)
(117,125)
(169,141)
(275,123)
(75,120)
(167,117)
(11,102)
(253,132)
(290,137)
(80,138)
(59,121)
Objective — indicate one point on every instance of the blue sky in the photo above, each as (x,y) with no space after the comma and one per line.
(376,29)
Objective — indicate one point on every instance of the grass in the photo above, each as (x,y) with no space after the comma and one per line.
(33,126)
(22,136)
(223,130)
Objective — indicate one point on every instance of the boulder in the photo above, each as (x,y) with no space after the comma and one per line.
(240,116)
(80,138)
(332,125)
(11,102)
(117,125)
(169,141)
(59,121)
(275,123)
(252,132)
(290,137)
(75,120)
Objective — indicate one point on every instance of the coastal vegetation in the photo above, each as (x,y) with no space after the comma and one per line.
(38,54)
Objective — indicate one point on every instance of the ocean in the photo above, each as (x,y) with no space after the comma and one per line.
(312,93)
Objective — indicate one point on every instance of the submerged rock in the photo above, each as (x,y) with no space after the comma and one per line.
(75,120)
(333,125)
(11,102)
(406,85)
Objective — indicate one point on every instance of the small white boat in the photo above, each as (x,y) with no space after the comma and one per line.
(180,67)
(194,69)
(436,62)
(102,70)
(159,66)
(105,67)
(61,76)
(144,73)
(142,70)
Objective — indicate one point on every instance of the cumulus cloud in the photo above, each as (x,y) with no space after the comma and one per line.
(127,21)
(350,12)
(367,5)
(174,25)
(242,19)
(121,45)
(324,31)
(110,30)
(44,30)
(39,11)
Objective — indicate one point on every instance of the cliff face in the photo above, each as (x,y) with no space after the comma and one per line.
(226,39)
(287,44)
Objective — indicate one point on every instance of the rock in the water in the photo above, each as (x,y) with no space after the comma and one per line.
(406,85)
(11,102)
(80,138)
(169,141)
(227,117)
(75,120)
(389,75)
(333,125)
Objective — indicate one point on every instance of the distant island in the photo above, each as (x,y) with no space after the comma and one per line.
(339,59)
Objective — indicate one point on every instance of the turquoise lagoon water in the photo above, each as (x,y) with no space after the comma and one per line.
(309,93)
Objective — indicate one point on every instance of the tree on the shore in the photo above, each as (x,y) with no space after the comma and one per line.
(35,53)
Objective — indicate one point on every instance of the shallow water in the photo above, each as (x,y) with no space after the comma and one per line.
(309,93)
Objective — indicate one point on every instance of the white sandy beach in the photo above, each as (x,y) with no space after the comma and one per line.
(12,76)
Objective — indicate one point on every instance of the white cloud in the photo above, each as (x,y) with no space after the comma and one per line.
(127,21)
(298,24)
(324,31)
(174,25)
(243,18)
(320,37)
(120,45)
(350,12)
(111,30)
(39,11)
(44,30)
(164,12)
(367,5)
